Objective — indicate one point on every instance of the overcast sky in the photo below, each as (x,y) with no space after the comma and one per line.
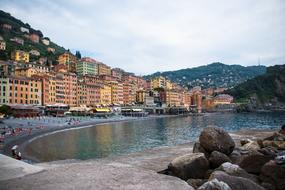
(145,36)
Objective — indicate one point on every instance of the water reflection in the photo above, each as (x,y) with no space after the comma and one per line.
(125,137)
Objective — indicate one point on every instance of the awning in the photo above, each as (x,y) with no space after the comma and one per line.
(137,110)
(102,110)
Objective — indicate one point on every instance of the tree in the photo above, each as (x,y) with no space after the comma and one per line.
(78,54)
(5,109)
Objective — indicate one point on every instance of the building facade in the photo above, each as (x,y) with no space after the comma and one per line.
(86,67)
(69,60)
(20,56)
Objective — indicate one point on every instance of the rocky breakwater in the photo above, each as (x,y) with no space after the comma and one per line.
(218,164)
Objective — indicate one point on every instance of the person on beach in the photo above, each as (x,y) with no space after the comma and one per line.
(282,130)
(30,131)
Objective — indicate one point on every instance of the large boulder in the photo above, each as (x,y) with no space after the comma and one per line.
(254,163)
(189,166)
(251,146)
(217,158)
(269,151)
(274,174)
(276,137)
(215,185)
(277,144)
(236,183)
(215,138)
(235,170)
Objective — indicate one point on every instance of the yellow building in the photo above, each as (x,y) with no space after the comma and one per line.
(69,60)
(103,69)
(158,82)
(117,92)
(105,95)
(169,85)
(25,72)
(19,55)
(141,96)
(31,69)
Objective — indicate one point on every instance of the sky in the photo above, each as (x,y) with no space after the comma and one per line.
(146,36)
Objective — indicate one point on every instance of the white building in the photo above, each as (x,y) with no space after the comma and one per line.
(23,29)
(45,41)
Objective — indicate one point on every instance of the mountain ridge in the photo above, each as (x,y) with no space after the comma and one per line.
(212,75)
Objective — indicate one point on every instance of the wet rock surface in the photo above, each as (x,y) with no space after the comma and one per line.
(255,165)
(189,166)
(216,139)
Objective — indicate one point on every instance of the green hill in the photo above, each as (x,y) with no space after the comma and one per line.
(7,35)
(212,75)
(266,87)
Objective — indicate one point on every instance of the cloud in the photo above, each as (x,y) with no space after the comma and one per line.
(145,36)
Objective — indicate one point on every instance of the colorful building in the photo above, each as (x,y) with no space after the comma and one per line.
(86,66)
(20,56)
(35,38)
(105,95)
(158,82)
(117,73)
(4,90)
(69,60)
(117,92)
(21,90)
(103,69)
(223,99)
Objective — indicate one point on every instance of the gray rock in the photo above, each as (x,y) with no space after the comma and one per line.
(214,185)
(217,158)
(280,160)
(276,137)
(254,163)
(189,166)
(269,151)
(274,174)
(235,170)
(236,183)
(280,145)
(215,138)
(196,183)
(251,146)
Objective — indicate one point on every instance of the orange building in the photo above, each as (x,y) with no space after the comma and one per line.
(223,99)
(117,90)
(69,60)
(88,94)
(35,38)
(24,90)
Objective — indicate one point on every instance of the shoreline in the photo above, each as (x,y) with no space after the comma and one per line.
(23,140)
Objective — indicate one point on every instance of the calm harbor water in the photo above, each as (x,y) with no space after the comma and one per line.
(125,137)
